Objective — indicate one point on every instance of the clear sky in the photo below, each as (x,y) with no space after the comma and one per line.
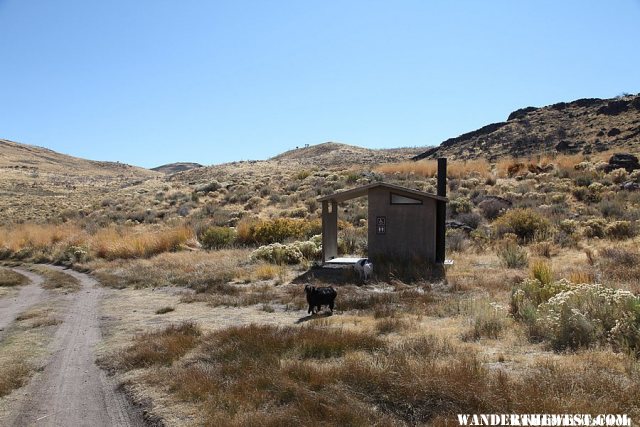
(148,82)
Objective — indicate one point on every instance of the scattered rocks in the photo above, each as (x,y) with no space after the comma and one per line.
(566,146)
(614,132)
(494,206)
(630,186)
(456,225)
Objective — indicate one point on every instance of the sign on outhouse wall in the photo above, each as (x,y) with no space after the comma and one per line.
(381,225)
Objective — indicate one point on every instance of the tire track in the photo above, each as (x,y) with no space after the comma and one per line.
(72,390)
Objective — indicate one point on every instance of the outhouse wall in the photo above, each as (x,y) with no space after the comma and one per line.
(410,230)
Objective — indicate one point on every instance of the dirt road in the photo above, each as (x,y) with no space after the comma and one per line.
(72,390)
(27,296)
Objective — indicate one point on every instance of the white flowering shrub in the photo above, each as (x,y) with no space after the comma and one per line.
(586,314)
(292,253)
(309,249)
(571,316)
(277,253)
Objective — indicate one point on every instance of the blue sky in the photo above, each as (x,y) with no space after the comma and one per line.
(149,82)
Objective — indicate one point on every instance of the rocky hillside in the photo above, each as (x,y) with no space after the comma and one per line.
(583,126)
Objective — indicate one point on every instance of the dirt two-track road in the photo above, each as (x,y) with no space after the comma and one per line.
(71,390)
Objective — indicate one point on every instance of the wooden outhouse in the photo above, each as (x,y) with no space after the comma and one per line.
(403,223)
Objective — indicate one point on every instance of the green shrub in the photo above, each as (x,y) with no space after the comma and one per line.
(209,187)
(584,179)
(352,240)
(611,208)
(456,240)
(568,226)
(524,223)
(460,205)
(594,227)
(530,293)
(217,237)
(541,271)
(487,320)
(618,176)
(264,232)
(513,255)
(620,230)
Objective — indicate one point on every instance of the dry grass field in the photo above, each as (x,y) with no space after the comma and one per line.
(204,320)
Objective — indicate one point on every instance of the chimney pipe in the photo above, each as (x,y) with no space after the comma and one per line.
(441,210)
(442,177)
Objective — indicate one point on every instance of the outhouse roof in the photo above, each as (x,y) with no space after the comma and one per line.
(362,191)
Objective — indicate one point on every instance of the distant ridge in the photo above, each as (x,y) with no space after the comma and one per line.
(15,155)
(332,154)
(172,168)
(582,126)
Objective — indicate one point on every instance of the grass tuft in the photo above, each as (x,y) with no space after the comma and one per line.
(159,348)
(10,278)
(13,375)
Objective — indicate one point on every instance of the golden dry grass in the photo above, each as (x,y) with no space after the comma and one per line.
(198,270)
(157,348)
(429,168)
(69,242)
(40,236)
(13,375)
(114,243)
(273,376)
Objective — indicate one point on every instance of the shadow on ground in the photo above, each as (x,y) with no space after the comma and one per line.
(313,316)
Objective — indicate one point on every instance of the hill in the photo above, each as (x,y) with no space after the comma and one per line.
(38,184)
(334,154)
(583,126)
(14,155)
(172,168)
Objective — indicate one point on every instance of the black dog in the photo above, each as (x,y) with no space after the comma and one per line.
(317,297)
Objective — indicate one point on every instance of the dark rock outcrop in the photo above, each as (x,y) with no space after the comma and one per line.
(485,130)
(586,125)
(614,108)
(521,113)
(629,162)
